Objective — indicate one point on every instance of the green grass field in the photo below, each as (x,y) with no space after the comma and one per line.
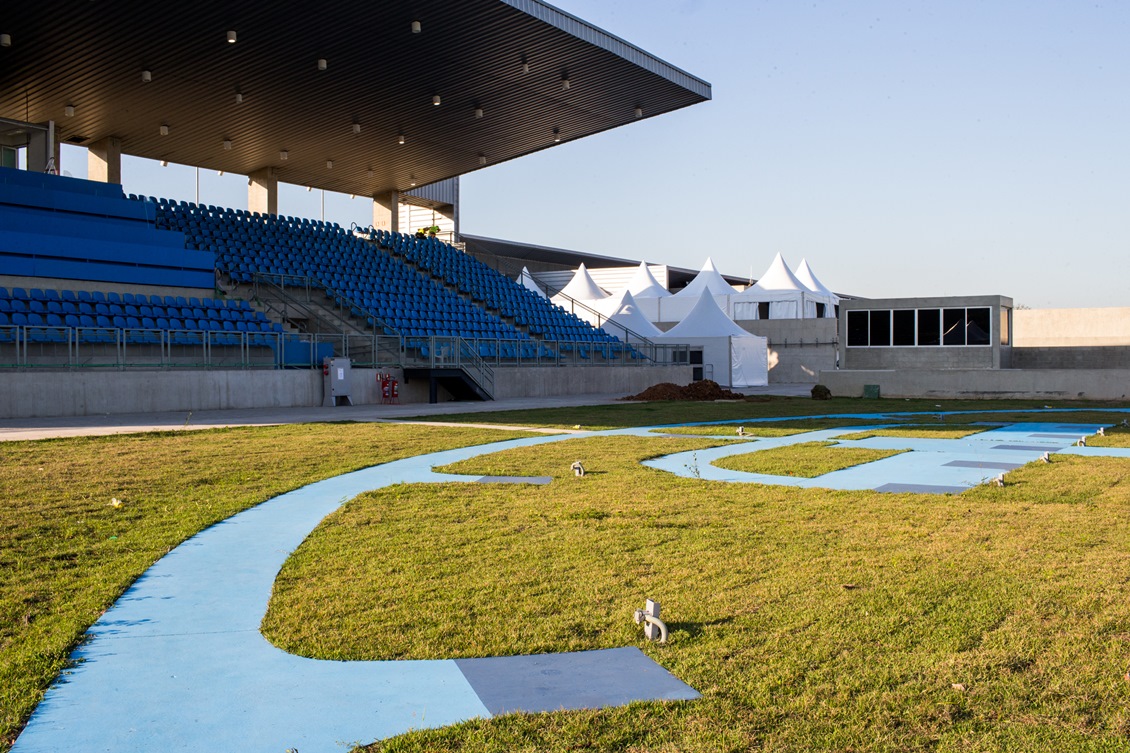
(66,553)
(804,459)
(809,619)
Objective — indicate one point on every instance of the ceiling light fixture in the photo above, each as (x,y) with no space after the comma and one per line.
(231,37)
(525,65)
(639,112)
(416,28)
(369,173)
(220,173)
(357,128)
(329,164)
(435,100)
(482,159)
(400,139)
(239,98)
(69,111)
(164,130)
(556,136)
(284,155)
(352,196)
(309,189)
(5,40)
(146,76)
(164,163)
(227,144)
(321,64)
(565,82)
(478,112)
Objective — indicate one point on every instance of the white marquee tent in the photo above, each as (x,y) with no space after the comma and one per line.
(644,285)
(821,294)
(779,287)
(624,319)
(581,288)
(731,356)
(527,281)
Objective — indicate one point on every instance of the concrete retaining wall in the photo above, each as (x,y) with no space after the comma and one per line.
(1047,328)
(25,394)
(799,349)
(1062,384)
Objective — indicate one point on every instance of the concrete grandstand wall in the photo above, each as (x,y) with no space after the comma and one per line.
(27,394)
(1061,384)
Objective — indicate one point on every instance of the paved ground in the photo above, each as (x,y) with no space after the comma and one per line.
(73,426)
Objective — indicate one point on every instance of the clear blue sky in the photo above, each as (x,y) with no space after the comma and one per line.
(903,148)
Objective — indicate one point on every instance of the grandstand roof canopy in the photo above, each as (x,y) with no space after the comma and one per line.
(511,58)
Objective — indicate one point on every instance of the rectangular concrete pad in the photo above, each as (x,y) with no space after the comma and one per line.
(1023,447)
(1060,435)
(920,488)
(578,680)
(978,464)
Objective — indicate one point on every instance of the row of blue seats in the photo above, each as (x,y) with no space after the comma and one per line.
(22,319)
(118,309)
(98,296)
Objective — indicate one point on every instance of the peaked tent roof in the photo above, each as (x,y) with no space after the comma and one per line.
(708,278)
(623,313)
(527,281)
(780,277)
(623,310)
(805,274)
(706,320)
(644,285)
(582,287)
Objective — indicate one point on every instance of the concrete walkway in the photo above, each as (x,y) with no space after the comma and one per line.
(131,423)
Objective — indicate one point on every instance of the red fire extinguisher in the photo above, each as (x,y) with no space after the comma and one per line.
(395,390)
(386,388)
(325,367)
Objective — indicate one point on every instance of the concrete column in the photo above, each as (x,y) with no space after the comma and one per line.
(386,212)
(263,191)
(104,160)
(38,150)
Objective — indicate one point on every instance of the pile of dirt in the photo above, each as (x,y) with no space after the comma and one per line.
(703,390)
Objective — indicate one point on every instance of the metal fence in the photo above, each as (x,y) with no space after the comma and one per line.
(95,347)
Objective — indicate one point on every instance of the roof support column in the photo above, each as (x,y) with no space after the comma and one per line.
(386,212)
(104,160)
(263,191)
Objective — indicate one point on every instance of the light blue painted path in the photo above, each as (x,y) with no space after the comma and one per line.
(932,465)
(178,663)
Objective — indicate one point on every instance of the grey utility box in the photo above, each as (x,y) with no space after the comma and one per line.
(337,382)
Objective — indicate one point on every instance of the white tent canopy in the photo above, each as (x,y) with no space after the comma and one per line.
(582,287)
(708,278)
(644,285)
(526,280)
(779,287)
(821,294)
(734,357)
(625,319)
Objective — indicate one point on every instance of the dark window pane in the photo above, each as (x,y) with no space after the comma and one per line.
(820,311)
(929,327)
(857,328)
(977,326)
(880,328)
(902,327)
(763,310)
(953,326)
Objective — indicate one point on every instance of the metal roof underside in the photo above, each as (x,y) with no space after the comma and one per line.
(380,75)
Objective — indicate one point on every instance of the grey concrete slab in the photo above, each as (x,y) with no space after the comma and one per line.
(983,464)
(579,680)
(1024,447)
(920,488)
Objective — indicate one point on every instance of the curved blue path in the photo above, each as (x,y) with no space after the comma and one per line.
(178,662)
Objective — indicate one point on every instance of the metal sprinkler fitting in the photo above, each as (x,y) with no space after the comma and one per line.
(653,626)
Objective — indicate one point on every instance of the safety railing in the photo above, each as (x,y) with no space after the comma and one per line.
(96,347)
